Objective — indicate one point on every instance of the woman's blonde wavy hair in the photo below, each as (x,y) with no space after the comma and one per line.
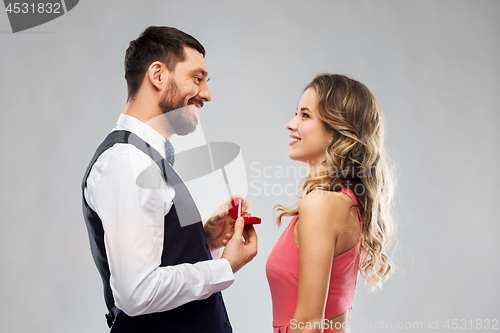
(356,159)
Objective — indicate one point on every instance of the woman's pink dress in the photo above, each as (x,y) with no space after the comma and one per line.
(282,269)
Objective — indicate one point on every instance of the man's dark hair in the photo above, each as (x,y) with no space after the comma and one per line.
(163,44)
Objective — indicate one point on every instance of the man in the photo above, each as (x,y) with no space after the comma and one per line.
(148,242)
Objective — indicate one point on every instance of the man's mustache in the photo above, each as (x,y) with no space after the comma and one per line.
(196,101)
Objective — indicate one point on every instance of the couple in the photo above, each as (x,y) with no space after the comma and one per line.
(157,270)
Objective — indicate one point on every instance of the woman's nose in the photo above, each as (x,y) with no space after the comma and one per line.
(292,125)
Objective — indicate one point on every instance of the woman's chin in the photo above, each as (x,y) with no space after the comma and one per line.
(294,157)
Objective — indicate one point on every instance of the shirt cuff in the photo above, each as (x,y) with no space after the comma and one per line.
(222,274)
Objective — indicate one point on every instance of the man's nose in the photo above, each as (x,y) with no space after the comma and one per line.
(204,93)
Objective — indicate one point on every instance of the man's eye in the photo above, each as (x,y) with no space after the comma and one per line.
(198,79)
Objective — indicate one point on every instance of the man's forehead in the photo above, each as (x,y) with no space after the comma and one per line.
(194,62)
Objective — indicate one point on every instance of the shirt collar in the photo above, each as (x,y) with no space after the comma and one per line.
(143,131)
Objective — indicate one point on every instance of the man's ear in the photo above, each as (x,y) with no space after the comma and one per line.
(157,74)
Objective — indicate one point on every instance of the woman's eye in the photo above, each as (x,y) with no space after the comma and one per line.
(304,115)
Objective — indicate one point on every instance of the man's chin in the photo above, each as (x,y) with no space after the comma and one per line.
(183,120)
(186,128)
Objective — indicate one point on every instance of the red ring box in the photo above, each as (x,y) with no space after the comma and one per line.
(235,212)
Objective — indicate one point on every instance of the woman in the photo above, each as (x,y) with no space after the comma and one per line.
(345,219)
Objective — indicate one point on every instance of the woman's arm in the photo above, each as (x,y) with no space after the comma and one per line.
(323,217)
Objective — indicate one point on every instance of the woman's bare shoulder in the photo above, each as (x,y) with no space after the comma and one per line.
(318,202)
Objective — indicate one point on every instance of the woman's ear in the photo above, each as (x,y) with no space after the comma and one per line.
(332,139)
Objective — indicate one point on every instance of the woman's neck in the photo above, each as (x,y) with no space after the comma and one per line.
(315,168)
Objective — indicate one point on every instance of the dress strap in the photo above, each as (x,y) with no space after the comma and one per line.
(353,198)
(350,194)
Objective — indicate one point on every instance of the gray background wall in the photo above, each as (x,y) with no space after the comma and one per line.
(433,65)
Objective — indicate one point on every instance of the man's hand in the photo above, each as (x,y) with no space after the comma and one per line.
(220,226)
(242,247)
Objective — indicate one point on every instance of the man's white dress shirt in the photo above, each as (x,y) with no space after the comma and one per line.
(126,189)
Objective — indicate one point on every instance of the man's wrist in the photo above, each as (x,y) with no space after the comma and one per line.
(230,265)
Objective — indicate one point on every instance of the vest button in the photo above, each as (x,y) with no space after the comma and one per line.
(228,324)
(220,297)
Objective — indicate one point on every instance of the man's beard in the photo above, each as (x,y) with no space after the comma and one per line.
(178,116)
